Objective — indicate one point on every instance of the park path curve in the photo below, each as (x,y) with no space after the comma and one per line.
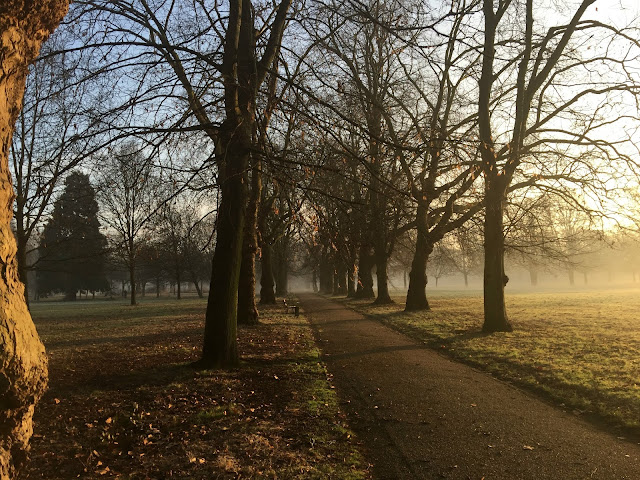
(423,416)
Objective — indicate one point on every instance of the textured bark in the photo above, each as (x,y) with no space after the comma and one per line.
(247,310)
(23,364)
(417,295)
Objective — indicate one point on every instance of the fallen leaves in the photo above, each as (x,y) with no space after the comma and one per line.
(147,416)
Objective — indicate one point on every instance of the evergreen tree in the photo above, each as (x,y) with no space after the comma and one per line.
(72,248)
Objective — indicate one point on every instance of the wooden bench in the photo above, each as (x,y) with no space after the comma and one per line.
(295,309)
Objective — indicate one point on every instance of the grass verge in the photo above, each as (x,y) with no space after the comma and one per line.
(579,349)
(124,403)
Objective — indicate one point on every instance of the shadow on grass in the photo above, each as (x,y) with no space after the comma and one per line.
(134,340)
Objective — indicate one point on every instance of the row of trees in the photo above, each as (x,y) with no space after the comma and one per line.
(361,124)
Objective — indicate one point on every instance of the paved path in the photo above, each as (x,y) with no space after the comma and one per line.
(421,415)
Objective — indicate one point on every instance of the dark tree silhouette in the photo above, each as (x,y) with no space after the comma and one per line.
(72,248)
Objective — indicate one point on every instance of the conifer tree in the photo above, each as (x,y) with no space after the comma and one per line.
(72,247)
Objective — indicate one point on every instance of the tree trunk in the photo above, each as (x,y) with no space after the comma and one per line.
(178,284)
(495,187)
(572,279)
(417,295)
(533,276)
(198,287)
(382,277)
(282,269)
(247,310)
(157,287)
(267,293)
(586,278)
(466,279)
(351,281)
(21,258)
(326,275)
(132,281)
(23,363)
(314,280)
(365,278)
(220,343)
(495,279)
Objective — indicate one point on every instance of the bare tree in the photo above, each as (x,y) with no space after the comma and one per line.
(54,134)
(129,195)
(538,125)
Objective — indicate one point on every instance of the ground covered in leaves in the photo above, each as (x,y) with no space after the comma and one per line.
(578,348)
(123,401)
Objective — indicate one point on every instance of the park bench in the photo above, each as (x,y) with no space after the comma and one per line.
(295,309)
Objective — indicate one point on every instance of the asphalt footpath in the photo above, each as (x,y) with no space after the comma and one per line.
(420,415)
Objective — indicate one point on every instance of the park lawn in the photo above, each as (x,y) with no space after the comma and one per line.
(123,401)
(580,349)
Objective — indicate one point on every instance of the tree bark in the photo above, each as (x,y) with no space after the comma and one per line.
(417,295)
(382,277)
(132,281)
(365,278)
(282,269)
(198,288)
(247,310)
(495,312)
(220,348)
(495,279)
(21,258)
(267,293)
(23,364)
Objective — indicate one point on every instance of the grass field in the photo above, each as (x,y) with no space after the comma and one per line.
(123,401)
(581,349)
